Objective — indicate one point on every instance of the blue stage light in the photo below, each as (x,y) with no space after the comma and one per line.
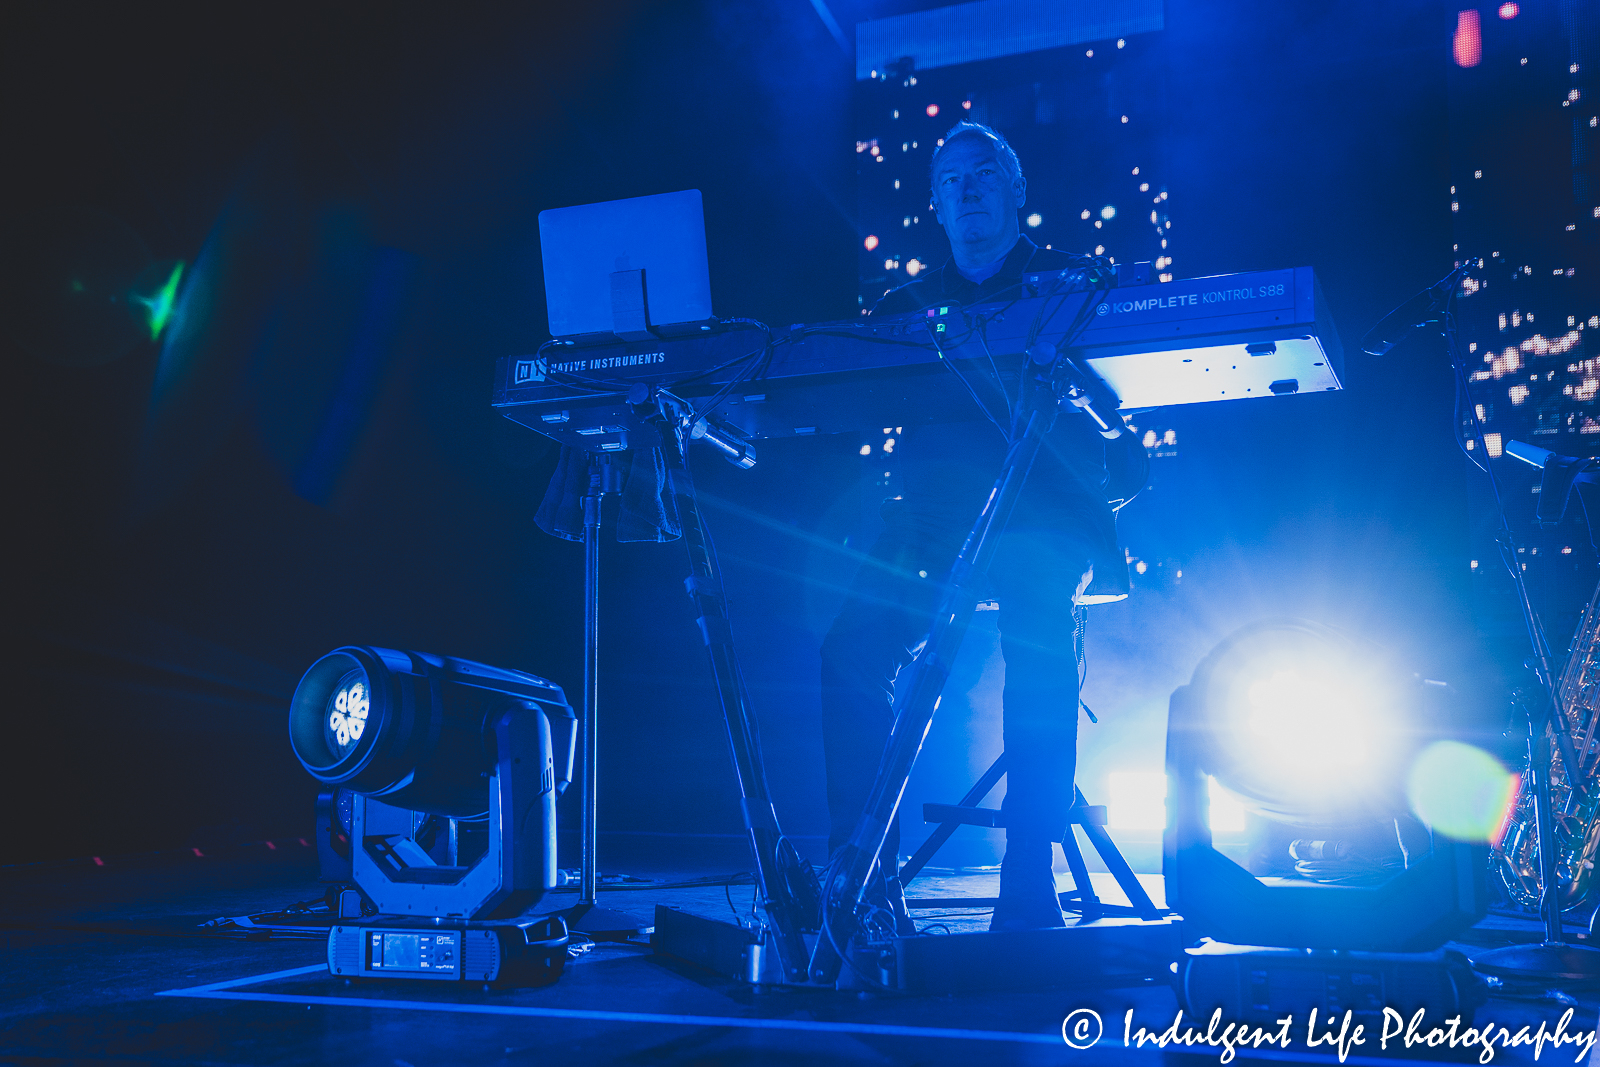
(451,770)
(409,728)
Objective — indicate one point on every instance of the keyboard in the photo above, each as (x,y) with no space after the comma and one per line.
(1201,340)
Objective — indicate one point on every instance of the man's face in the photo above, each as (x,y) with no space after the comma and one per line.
(973,198)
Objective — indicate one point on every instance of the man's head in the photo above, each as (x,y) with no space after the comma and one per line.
(977,188)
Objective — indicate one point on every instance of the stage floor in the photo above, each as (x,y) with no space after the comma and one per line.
(108,964)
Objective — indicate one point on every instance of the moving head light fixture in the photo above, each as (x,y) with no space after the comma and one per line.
(416,737)
(1312,731)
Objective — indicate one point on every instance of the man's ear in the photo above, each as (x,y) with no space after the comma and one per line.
(1022,190)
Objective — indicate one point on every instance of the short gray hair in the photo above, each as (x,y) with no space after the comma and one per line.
(1002,148)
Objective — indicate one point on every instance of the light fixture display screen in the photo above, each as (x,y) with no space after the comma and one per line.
(435,952)
(346,716)
(402,951)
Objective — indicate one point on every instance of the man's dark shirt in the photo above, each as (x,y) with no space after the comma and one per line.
(949,468)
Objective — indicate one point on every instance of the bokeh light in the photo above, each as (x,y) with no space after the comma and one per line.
(1466,46)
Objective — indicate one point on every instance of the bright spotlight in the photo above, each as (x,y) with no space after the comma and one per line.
(1303,724)
(1108,212)
(1318,734)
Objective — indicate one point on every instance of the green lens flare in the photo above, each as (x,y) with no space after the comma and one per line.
(1460,790)
(159,305)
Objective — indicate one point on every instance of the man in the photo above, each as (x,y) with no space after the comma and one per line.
(1061,538)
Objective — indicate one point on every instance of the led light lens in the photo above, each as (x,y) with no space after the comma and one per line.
(345,718)
(1304,722)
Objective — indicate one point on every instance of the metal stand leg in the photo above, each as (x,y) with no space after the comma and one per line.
(1112,857)
(586,916)
(1084,900)
(1082,897)
(591,690)
(786,885)
(1554,959)
(917,693)
(936,840)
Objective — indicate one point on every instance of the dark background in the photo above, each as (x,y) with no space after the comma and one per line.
(318,465)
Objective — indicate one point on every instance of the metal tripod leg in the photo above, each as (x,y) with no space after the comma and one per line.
(935,841)
(1083,896)
(786,885)
(1112,857)
(1082,814)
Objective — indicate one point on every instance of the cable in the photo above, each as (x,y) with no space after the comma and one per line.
(827,932)
(1463,401)
(690,883)
(1504,540)
(982,330)
(962,378)
(727,892)
(760,359)
(844,957)
(1080,630)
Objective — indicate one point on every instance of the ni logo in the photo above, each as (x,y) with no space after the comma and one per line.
(1102,309)
(529,370)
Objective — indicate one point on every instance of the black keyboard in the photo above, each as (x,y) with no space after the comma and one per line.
(1228,337)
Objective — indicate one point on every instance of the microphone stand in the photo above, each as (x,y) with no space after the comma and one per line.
(1554,959)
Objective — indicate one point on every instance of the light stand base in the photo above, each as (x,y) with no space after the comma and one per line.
(1551,961)
(602,924)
